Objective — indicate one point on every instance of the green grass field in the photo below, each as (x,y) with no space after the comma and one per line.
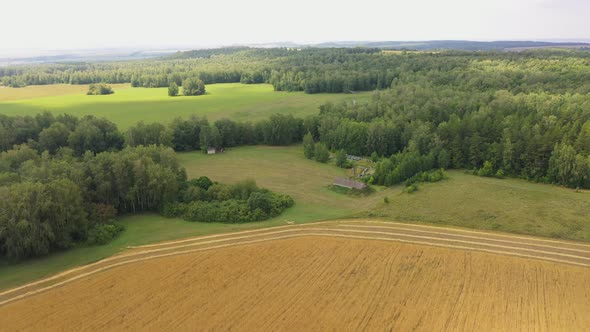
(127,105)
(284,170)
(506,205)
(463,200)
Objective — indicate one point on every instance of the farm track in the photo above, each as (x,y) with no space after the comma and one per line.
(527,247)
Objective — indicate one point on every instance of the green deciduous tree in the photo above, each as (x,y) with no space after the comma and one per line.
(308,146)
(193,87)
(321,153)
(173,90)
(341,160)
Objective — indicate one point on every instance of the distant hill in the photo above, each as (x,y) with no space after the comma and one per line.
(120,54)
(112,54)
(455,45)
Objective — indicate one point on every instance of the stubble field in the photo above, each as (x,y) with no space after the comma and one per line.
(326,281)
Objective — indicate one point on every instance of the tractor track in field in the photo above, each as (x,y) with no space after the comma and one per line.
(556,251)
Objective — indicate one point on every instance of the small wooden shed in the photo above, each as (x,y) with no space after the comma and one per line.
(350,184)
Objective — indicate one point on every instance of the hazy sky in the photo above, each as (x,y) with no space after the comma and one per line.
(62,24)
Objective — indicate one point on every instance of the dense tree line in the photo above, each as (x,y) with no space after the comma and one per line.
(197,133)
(46,132)
(63,179)
(52,202)
(330,70)
(417,127)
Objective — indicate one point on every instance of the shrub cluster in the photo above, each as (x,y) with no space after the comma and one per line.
(203,200)
(99,89)
(103,234)
(412,184)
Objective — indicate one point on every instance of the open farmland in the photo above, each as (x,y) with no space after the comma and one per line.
(462,200)
(127,105)
(348,275)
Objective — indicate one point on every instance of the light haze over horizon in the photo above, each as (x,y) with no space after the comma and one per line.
(70,24)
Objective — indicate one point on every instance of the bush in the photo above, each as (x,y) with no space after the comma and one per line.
(203,182)
(430,176)
(308,146)
(244,189)
(173,209)
(219,192)
(193,87)
(192,193)
(99,89)
(259,200)
(229,211)
(321,153)
(341,160)
(411,188)
(173,90)
(103,233)
(487,170)
(260,205)
(374,157)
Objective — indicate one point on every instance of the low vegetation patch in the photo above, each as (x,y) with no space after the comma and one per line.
(203,200)
(99,89)
(104,233)
(412,184)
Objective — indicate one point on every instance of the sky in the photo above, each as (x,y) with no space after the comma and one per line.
(80,24)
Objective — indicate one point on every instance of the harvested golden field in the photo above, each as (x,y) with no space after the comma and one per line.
(322,277)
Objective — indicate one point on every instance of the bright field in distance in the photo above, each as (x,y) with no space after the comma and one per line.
(127,106)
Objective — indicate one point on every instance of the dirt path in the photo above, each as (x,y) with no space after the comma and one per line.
(528,247)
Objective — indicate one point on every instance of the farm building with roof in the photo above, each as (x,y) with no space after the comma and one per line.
(350,184)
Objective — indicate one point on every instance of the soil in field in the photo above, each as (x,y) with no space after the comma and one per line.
(317,283)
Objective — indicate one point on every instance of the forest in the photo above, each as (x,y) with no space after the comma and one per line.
(503,114)
(332,70)
(63,181)
(418,127)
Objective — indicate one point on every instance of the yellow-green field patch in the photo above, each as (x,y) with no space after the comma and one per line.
(54,90)
(127,106)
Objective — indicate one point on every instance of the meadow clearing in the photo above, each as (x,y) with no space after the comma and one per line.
(464,200)
(127,106)
(316,283)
